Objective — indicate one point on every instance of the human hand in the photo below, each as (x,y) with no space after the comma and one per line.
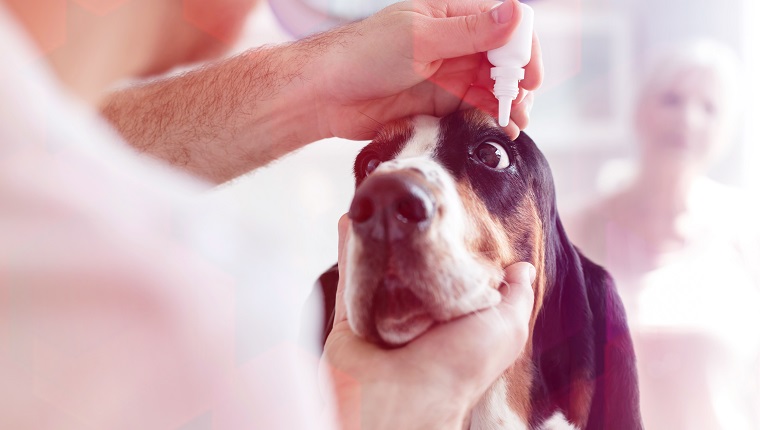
(436,379)
(417,57)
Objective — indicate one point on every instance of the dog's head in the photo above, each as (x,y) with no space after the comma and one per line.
(442,206)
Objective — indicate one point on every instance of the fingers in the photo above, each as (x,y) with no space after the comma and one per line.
(520,96)
(341,338)
(517,294)
(487,342)
(452,8)
(483,99)
(340,305)
(520,113)
(480,98)
(512,130)
(534,70)
(343,224)
(456,36)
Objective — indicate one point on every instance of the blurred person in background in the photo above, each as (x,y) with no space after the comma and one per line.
(683,248)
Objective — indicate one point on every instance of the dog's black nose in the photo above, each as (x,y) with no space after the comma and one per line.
(391,206)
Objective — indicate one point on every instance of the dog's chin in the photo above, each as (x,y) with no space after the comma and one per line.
(401,316)
(398,313)
(395,332)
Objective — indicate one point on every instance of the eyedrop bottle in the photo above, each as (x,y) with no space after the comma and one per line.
(508,62)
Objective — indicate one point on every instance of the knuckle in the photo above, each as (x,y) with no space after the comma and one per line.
(470,29)
(470,24)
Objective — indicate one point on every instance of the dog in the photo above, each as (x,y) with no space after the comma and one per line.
(442,206)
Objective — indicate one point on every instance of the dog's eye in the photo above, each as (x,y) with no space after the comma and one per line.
(371,165)
(492,155)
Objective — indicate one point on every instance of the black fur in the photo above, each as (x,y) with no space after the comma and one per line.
(581,333)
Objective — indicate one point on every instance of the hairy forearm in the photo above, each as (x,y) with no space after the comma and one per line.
(226,118)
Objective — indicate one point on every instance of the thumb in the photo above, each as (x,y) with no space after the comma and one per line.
(469,33)
(517,294)
(340,306)
(517,298)
(487,342)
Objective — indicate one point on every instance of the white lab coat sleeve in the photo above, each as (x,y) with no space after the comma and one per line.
(111,317)
(120,297)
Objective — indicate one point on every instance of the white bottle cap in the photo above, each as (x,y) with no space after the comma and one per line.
(509,61)
(506,89)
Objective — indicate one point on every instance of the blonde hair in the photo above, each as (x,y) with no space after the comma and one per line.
(699,54)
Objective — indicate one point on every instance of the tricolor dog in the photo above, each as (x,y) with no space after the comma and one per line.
(442,206)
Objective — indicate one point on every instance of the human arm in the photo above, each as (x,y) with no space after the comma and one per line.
(420,57)
(434,381)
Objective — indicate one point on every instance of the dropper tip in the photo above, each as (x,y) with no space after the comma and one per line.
(505,108)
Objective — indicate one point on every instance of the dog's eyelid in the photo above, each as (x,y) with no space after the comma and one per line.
(371,164)
(492,154)
(367,157)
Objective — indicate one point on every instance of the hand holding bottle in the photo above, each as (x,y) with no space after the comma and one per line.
(417,57)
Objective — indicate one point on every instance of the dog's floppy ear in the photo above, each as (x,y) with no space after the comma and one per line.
(582,345)
(582,348)
(322,294)
(616,394)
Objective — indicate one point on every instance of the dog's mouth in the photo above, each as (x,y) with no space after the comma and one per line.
(399,314)
(410,286)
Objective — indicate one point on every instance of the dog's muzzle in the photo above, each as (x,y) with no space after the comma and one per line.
(389,210)
(409,265)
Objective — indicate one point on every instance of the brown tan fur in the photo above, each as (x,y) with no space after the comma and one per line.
(490,239)
(519,382)
(581,395)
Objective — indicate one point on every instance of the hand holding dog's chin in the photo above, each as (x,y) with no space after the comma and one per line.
(414,57)
(436,379)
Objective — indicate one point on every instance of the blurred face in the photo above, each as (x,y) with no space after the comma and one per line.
(196,30)
(684,123)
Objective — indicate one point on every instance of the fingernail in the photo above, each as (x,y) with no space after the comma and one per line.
(502,13)
(532,274)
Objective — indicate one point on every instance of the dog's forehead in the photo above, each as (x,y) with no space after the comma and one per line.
(424,139)
(477,118)
(451,142)
(425,134)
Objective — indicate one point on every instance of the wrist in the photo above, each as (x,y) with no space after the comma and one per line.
(396,405)
(283,97)
(333,77)
(224,119)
